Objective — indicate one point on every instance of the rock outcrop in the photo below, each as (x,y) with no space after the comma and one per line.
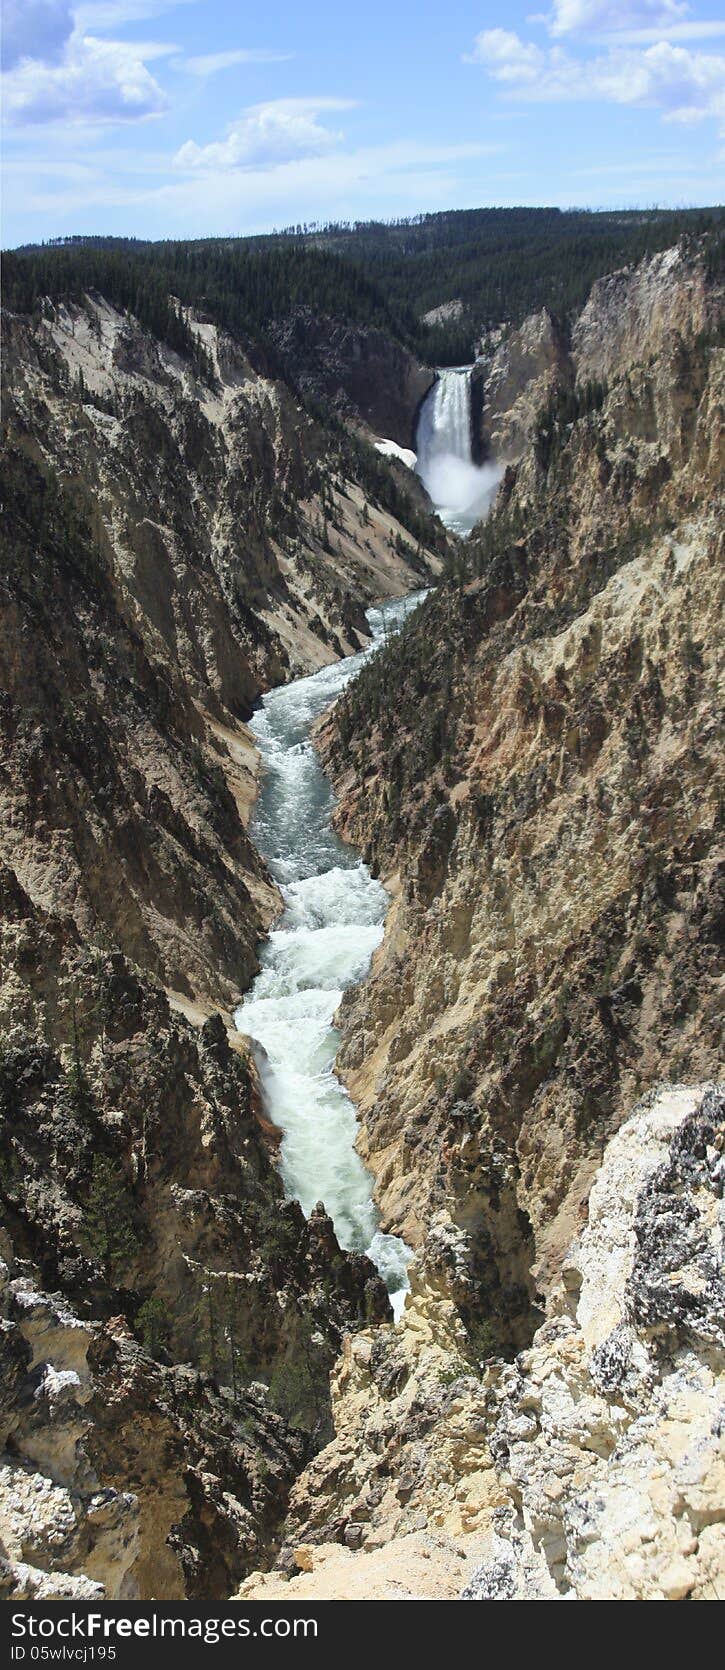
(634,314)
(511,383)
(592,1467)
(154,1273)
(122,1477)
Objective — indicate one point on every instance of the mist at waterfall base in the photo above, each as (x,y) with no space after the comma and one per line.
(461,490)
(332,922)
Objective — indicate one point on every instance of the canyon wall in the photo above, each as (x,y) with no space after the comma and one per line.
(169,1323)
(534,767)
(173,543)
(511,382)
(357,372)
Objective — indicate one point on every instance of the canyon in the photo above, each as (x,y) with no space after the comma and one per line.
(172,546)
(204,1395)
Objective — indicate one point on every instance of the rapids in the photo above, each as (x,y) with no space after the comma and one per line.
(331,924)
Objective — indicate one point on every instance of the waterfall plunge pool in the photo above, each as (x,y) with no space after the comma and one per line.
(331,924)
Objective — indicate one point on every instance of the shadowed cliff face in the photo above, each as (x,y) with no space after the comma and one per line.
(359,374)
(535,765)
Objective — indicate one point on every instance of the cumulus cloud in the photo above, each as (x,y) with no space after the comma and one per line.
(579,16)
(211,62)
(685,85)
(283,130)
(507,57)
(93,80)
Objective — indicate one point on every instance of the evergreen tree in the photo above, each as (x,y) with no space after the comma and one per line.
(108,1221)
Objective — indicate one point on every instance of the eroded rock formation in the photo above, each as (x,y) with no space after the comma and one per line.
(512,381)
(359,373)
(590,1468)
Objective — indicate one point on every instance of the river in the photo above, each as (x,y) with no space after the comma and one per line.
(333,918)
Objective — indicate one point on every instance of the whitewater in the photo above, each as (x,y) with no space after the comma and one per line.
(460,489)
(333,918)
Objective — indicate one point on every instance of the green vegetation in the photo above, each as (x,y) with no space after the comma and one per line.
(564,408)
(502,264)
(483,1339)
(499,264)
(298,1385)
(354,458)
(244,286)
(108,1218)
(154,1326)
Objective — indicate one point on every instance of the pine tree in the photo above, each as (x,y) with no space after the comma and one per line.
(108,1225)
(154,1325)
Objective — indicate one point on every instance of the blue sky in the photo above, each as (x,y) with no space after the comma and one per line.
(191,117)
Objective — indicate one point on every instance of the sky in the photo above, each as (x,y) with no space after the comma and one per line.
(186,118)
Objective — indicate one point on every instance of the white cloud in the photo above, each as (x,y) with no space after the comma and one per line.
(398,178)
(211,62)
(692,31)
(35,29)
(685,85)
(93,81)
(283,130)
(506,56)
(579,16)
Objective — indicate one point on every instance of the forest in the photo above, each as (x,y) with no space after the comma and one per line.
(497,264)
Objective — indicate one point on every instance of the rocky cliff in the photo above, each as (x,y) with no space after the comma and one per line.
(153,1274)
(590,1468)
(534,767)
(359,373)
(511,382)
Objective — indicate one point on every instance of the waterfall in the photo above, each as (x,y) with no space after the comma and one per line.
(461,490)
